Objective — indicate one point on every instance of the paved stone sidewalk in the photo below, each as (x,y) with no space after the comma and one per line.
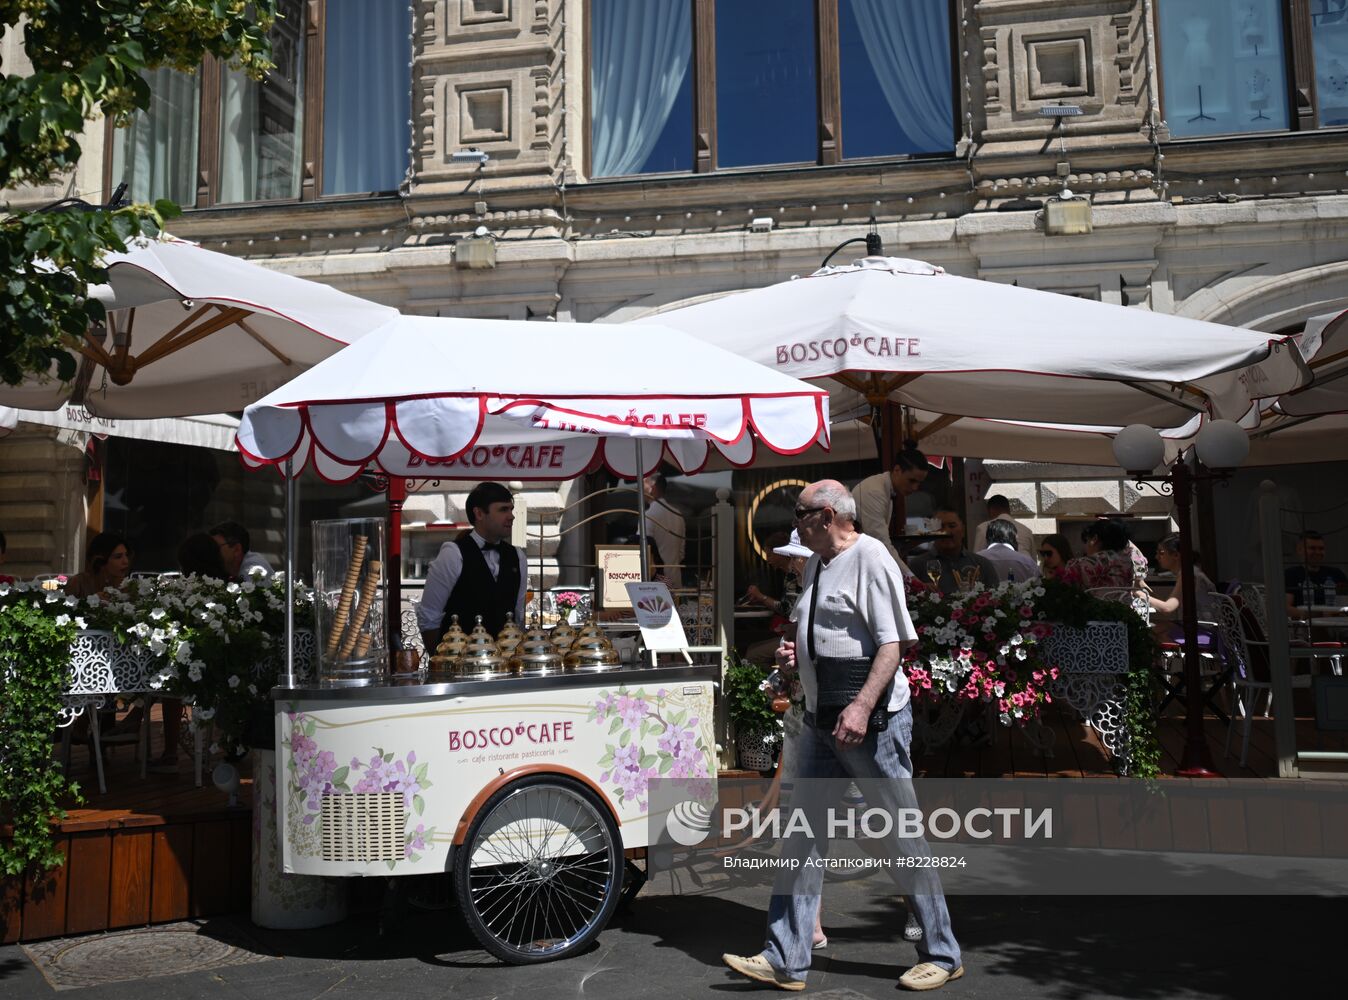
(669,946)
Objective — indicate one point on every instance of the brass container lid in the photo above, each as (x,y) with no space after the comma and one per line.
(536,631)
(535,658)
(481,659)
(453,642)
(590,630)
(591,656)
(562,636)
(509,637)
(440,669)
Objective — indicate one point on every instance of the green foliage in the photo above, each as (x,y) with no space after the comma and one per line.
(1068,605)
(34,661)
(747,704)
(88,59)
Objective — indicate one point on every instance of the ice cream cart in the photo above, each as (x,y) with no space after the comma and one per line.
(530,791)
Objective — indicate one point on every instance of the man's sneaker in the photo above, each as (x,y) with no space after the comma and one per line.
(759,969)
(928,976)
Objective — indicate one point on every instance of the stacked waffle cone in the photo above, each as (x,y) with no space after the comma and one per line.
(354,643)
(343,613)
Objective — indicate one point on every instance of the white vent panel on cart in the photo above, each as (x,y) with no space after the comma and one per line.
(364,827)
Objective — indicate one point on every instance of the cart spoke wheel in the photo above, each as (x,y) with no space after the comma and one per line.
(540,872)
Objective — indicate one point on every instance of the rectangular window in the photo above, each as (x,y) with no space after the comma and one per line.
(682,85)
(262,121)
(156,155)
(641,87)
(218,137)
(1224,67)
(765,83)
(896,86)
(366,104)
(1329,43)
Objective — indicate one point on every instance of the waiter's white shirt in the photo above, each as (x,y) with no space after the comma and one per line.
(445,573)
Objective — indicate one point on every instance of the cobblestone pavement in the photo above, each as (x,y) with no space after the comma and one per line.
(670,945)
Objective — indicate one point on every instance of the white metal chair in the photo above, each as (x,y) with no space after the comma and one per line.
(1214,665)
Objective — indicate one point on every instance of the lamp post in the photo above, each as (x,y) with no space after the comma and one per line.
(1220,446)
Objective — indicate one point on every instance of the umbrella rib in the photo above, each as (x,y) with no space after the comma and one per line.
(851,382)
(1157,394)
(169,345)
(263,341)
(92,350)
(1321,362)
(939,424)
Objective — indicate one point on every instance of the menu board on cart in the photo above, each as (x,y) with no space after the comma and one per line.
(618,566)
(661,628)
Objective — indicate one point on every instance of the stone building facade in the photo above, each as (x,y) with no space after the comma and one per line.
(1247,228)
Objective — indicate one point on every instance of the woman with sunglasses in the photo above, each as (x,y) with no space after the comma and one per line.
(1054,551)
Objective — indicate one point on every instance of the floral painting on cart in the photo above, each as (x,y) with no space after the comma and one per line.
(378,786)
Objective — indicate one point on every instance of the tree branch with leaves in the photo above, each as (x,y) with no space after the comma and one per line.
(89,60)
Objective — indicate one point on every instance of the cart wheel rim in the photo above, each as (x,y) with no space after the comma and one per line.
(541,868)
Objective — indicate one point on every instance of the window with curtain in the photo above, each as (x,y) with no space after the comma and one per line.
(641,87)
(366,100)
(359,117)
(773,94)
(895,61)
(262,121)
(156,155)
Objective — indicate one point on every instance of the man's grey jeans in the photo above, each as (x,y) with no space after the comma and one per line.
(822,774)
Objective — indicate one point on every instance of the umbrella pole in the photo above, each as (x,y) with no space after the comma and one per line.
(290,574)
(397,496)
(641,511)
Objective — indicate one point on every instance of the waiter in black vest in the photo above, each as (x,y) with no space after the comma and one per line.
(479,573)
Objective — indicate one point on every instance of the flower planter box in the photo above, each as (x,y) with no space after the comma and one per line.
(1094,666)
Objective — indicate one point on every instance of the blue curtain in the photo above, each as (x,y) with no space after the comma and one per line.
(366,100)
(908,42)
(640,57)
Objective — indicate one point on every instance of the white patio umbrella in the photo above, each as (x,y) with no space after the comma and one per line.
(191,331)
(543,400)
(885,328)
(1324,341)
(421,393)
(1311,423)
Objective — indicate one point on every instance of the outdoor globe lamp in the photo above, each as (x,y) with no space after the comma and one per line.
(1222,444)
(1138,448)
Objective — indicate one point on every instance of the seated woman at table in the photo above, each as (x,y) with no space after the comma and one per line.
(1108,561)
(1167,615)
(1054,553)
(106,565)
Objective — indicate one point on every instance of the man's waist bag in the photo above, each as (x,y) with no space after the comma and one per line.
(840,679)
